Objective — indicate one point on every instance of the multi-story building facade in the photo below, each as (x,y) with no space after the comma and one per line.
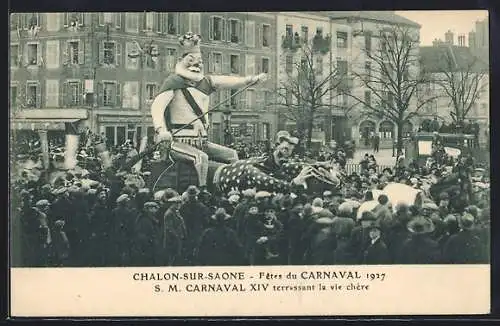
(102,70)
(364,38)
(465,63)
(296,28)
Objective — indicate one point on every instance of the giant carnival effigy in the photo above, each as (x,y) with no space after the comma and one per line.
(183,156)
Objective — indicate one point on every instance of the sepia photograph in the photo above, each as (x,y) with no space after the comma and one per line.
(249,139)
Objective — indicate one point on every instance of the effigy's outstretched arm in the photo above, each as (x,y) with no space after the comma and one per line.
(236,81)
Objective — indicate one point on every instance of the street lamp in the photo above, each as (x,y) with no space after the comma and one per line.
(227,125)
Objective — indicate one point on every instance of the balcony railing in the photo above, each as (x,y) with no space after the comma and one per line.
(291,42)
(321,43)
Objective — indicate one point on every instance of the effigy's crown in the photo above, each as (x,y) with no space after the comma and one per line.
(190,43)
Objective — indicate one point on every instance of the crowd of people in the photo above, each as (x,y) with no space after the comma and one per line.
(90,218)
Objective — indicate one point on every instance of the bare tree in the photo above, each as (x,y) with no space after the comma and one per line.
(306,89)
(463,80)
(394,79)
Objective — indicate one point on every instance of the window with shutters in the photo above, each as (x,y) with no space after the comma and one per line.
(266,35)
(250,33)
(217,63)
(342,99)
(52,93)
(22,21)
(170,59)
(341,40)
(172,19)
(108,18)
(13,95)
(109,94)
(150,91)
(232,95)
(368,69)
(268,97)
(288,96)
(289,63)
(32,94)
(148,21)
(234,61)
(131,95)
(195,22)
(265,65)
(234,30)
(117,19)
(217,28)
(52,54)
(250,64)
(132,56)
(110,136)
(74,95)
(368,98)
(304,33)
(74,52)
(109,53)
(368,41)
(53,21)
(250,98)
(131,22)
(319,65)
(14,55)
(73,19)
(33,55)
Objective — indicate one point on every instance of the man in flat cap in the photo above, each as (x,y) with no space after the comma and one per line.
(184,97)
(147,241)
(195,215)
(174,233)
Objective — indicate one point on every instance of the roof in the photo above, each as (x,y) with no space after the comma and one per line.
(381,16)
(434,58)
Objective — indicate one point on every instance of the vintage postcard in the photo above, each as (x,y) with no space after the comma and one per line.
(249,163)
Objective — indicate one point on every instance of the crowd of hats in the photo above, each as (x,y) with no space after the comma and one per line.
(358,205)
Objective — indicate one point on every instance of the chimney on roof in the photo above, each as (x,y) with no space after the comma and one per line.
(437,42)
(472,40)
(461,40)
(448,37)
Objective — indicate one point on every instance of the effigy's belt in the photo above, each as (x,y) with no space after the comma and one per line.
(200,143)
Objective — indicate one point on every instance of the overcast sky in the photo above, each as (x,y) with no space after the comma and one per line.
(436,23)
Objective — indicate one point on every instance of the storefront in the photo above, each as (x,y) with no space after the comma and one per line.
(26,125)
(118,129)
(241,127)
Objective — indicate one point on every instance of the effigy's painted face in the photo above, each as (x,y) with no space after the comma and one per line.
(190,66)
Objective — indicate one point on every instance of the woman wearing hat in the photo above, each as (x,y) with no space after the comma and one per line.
(420,248)
(376,253)
(219,245)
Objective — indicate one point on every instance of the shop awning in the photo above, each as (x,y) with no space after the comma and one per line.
(40,124)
